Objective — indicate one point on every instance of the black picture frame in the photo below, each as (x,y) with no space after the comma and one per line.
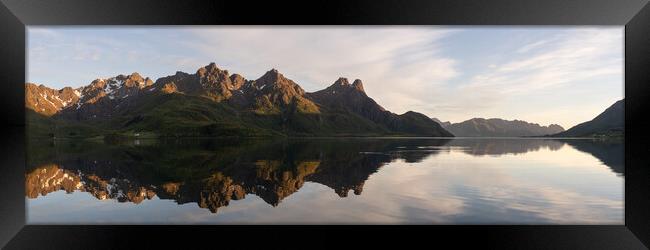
(15,15)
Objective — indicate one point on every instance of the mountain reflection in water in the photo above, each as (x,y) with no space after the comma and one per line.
(211,173)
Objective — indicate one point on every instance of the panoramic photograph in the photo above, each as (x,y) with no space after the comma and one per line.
(325,125)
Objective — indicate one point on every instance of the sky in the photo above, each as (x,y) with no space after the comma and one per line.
(542,74)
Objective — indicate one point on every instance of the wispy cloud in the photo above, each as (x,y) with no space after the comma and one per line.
(580,56)
(531,46)
(399,66)
(570,61)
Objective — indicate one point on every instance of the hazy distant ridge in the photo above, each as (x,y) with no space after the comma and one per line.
(480,127)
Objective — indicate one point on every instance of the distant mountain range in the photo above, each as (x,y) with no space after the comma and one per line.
(479,127)
(610,122)
(213,102)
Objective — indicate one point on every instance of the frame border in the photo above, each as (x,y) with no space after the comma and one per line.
(15,15)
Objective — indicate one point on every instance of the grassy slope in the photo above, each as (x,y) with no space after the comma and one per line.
(42,126)
(181,115)
(331,123)
(413,122)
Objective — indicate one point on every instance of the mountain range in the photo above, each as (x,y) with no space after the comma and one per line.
(480,127)
(610,123)
(213,102)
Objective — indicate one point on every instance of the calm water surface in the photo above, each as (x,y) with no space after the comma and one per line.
(430,181)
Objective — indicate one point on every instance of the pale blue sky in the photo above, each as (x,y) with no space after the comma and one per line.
(563,75)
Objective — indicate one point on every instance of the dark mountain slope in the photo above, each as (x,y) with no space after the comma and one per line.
(345,97)
(443,124)
(610,122)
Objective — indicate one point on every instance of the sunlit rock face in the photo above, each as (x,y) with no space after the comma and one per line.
(47,101)
(273,93)
(114,88)
(50,178)
(99,99)
(121,190)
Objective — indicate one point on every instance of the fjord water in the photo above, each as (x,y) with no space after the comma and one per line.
(332,181)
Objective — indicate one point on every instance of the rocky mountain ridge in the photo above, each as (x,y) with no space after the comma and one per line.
(214,102)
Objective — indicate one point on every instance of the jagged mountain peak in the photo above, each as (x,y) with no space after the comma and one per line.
(135,76)
(342,81)
(211,76)
(209,81)
(211,65)
(343,85)
(273,75)
(273,78)
(358,85)
(110,84)
(105,93)
(211,69)
(274,92)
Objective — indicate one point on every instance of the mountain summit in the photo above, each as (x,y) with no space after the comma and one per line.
(351,98)
(342,84)
(274,94)
(214,102)
(358,85)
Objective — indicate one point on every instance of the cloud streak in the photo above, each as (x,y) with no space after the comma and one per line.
(572,61)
